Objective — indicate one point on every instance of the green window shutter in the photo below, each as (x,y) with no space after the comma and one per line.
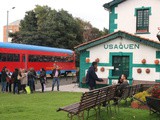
(142,20)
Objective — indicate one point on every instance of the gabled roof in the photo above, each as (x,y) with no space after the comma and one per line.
(112,3)
(122,34)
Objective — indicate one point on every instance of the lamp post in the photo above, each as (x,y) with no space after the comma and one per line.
(7,24)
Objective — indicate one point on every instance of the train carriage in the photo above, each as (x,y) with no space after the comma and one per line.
(14,55)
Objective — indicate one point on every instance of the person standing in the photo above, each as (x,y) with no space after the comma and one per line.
(24,80)
(56,74)
(42,78)
(31,78)
(14,77)
(4,79)
(92,77)
(34,79)
(9,81)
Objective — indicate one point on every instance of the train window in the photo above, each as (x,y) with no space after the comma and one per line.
(43,58)
(5,57)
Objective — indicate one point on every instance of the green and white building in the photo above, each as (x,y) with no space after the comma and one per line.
(132,47)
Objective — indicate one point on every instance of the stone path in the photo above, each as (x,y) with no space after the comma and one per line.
(67,88)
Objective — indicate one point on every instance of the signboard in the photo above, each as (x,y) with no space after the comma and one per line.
(121,46)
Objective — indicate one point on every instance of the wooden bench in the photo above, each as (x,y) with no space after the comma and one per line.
(90,100)
(87,102)
(153,104)
(95,98)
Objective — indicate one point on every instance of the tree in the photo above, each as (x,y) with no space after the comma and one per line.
(47,27)
(90,32)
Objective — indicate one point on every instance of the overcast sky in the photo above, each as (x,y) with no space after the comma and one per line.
(88,10)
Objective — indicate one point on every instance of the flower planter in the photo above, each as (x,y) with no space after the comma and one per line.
(97,60)
(156,62)
(144,61)
(139,70)
(87,60)
(102,69)
(147,71)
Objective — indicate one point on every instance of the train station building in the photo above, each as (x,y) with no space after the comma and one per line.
(131,48)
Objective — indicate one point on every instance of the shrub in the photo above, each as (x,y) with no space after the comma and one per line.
(155,92)
(142,96)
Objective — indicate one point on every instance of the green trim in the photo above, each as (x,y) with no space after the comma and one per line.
(157,54)
(157,81)
(144,65)
(142,33)
(142,8)
(83,64)
(157,67)
(130,65)
(121,35)
(112,17)
(112,3)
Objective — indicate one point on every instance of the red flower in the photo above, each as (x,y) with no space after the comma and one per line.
(156,91)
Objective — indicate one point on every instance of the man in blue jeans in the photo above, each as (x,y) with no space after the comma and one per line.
(56,74)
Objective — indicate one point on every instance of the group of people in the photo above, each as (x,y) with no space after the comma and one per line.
(22,78)
(92,77)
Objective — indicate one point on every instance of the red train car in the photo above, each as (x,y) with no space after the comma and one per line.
(14,55)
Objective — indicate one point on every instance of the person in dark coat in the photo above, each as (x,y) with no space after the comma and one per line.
(31,78)
(42,78)
(92,77)
(56,74)
(14,77)
(3,79)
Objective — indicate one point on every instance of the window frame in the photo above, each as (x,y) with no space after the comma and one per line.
(144,29)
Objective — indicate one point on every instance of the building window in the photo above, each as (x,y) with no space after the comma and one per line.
(142,19)
(43,58)
(5,57)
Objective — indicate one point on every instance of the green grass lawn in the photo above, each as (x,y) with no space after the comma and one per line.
(43,106)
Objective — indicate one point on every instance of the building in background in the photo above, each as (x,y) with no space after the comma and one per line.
(12,27)
(131,48)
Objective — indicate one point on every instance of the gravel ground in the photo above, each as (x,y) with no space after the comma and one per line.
(63,81)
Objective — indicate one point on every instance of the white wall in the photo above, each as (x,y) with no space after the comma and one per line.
(127,21)
(144,52)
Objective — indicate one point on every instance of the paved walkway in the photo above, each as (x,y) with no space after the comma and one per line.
(67,88)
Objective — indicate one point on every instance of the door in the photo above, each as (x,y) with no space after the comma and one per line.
(121,65)
(24,60)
